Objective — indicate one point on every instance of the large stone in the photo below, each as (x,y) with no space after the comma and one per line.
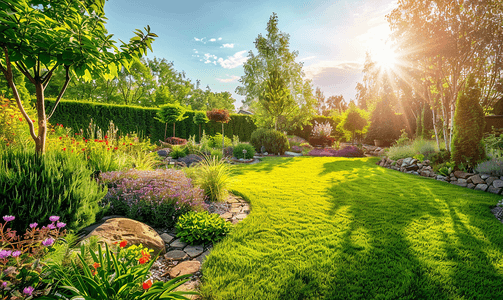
(460,183)
(167,238)
(425,173)
(411,168)
(164,152)
(498,184)
(134,232)
(440,177)
(476,179)
(481,187)
(178,244)
(494,190)
(175,255)
(484,176)
(463,175)
(407,161)
(201,258)
(226,215)
(490,180)
(194,251)
(471,186)
(185,268)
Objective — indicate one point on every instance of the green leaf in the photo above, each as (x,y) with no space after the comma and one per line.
(44,58)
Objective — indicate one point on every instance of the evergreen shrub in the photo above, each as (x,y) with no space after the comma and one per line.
(201,227)
(34,187)
(238,151)
(272,140)
(383,124)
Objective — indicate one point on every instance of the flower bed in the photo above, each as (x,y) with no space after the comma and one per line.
(349,151)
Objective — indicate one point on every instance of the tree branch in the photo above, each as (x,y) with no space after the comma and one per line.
(48,76)
(63,89)
(25,72)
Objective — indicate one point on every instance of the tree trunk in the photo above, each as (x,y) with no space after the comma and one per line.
(42,120)
(174,129)
(223,140)
(435,127)
(165,130)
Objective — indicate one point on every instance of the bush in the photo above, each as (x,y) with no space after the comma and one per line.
(491,167)
(238,151)
(469,123)
(212,175)
(322,129)
(56,183)
(178,151)
(201,227)
(216,141)
(272,140)
(157,197)
(176,141)
(383,123)
(440,157)
(228,151)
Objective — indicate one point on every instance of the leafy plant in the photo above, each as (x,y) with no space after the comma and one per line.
(220,116)
(354,121)
(419,157)
(403,140)
(272,140)
(383,123)
(201,227)
(170,113)
(445,169)
(118,274)
(39,186)
(494,145)
(178,151)
(213,175)
(199,119)
(493,167)
(216,141)
(238,151)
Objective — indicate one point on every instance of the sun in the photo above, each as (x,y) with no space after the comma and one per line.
(384,56)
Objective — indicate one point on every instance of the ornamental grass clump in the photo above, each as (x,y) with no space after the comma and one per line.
(157,197)
(212,175)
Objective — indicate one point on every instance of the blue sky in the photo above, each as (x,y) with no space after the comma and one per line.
(210,40)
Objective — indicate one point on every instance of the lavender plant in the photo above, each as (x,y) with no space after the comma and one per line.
(155,197)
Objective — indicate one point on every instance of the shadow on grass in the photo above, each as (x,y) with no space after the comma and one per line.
(267,164)
(415,241)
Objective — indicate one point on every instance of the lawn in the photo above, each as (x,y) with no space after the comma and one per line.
(340,228)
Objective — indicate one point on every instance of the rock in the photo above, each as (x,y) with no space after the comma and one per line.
(462,181)
(235,210)
(190,159)
(241,216)
(134,232)
(167,238)
(476,179)
(425,173)
(498,184)
(440,177)
(471,186)
(246,209)
(178,244)
(420,166)
(463,175)
(184,268)
(426,162)
(407,161)
(194,251)
(399,162)
(484,176)
(458,183)
(164,152)
(411,168)
(201,258)
(494,190)
(490,180)
(481,187)
(226,215)
(175,255)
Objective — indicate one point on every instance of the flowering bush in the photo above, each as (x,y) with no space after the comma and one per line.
(156,197)
(21,271)
(119,274)
(321,129)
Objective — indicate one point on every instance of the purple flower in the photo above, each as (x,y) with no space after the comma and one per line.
(60,224)
(16,253)
(5,253)
(33,225)
(48,242)
(8,218)
(51,226)
(28,290)
(4,285)
(53,218)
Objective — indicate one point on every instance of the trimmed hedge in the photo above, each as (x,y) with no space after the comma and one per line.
(78,115)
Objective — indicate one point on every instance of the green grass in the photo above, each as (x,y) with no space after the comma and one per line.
(338,228)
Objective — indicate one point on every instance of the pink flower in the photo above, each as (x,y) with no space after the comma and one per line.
(16,253)
(5,253)
(48,242)
(53,218)
(51,226)
(60,224)
(8,218)
(4,285)
(33,225)
(28,290)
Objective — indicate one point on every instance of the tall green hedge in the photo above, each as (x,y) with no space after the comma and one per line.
(78,115)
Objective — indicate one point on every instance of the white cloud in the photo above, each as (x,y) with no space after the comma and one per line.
(207,61)
(196,51)
(208,56)
(334,73)
(233,61)
(231,79)
(215,62)
(213,40)
(227,46)
(219,38)
(307,58)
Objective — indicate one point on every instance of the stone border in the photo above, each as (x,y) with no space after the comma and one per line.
(475,181)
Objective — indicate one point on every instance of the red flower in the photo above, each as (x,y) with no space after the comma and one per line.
(83,149)
(61,125)
(60,137)
(96,141)
(123,244)
(106,137)
(33,120)
(123,144)
(7,144)
(147,284)
(116,148)
(64,149)
(130,144)
(143,260)
(108,149)
(20,119)
(96,265)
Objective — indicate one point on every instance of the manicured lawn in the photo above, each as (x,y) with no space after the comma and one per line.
(339,228)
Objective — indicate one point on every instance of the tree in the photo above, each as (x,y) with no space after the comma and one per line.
(274,69)
(383,123)
(469,123)
(37,37)
(221,116)
(200,118)
(354,121)
(170,113)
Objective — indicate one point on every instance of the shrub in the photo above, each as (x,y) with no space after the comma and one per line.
(321,129)
(212,175)
(493,167)
(39,186)
(383,123)
(157,197)
(469,123)
(216,141)
(354,121)
(238,151)
(176,141)
(403,139)
(395,153)
(273,141)
(170,113)
(494,145)
(201,227)
(178,151)
(440,157)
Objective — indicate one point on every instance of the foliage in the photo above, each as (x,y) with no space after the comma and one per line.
(354,120)
(306,130)
(53,184)
(199,119)
(171,113)
(418,146)
(228,151)
(12,126)
(494,145)
(218,115)
(493,167)
(155,197)
(440,157)
(39,37)
(20,255)
(129,119)
(272,140)
(201,227)
(403,139)
(176,141)
(178,151)
(444,169)
(212,175)
(419,157)
(119,274)
(238,151)
(216,141)
(274,84)
(469,123)
(384,123)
